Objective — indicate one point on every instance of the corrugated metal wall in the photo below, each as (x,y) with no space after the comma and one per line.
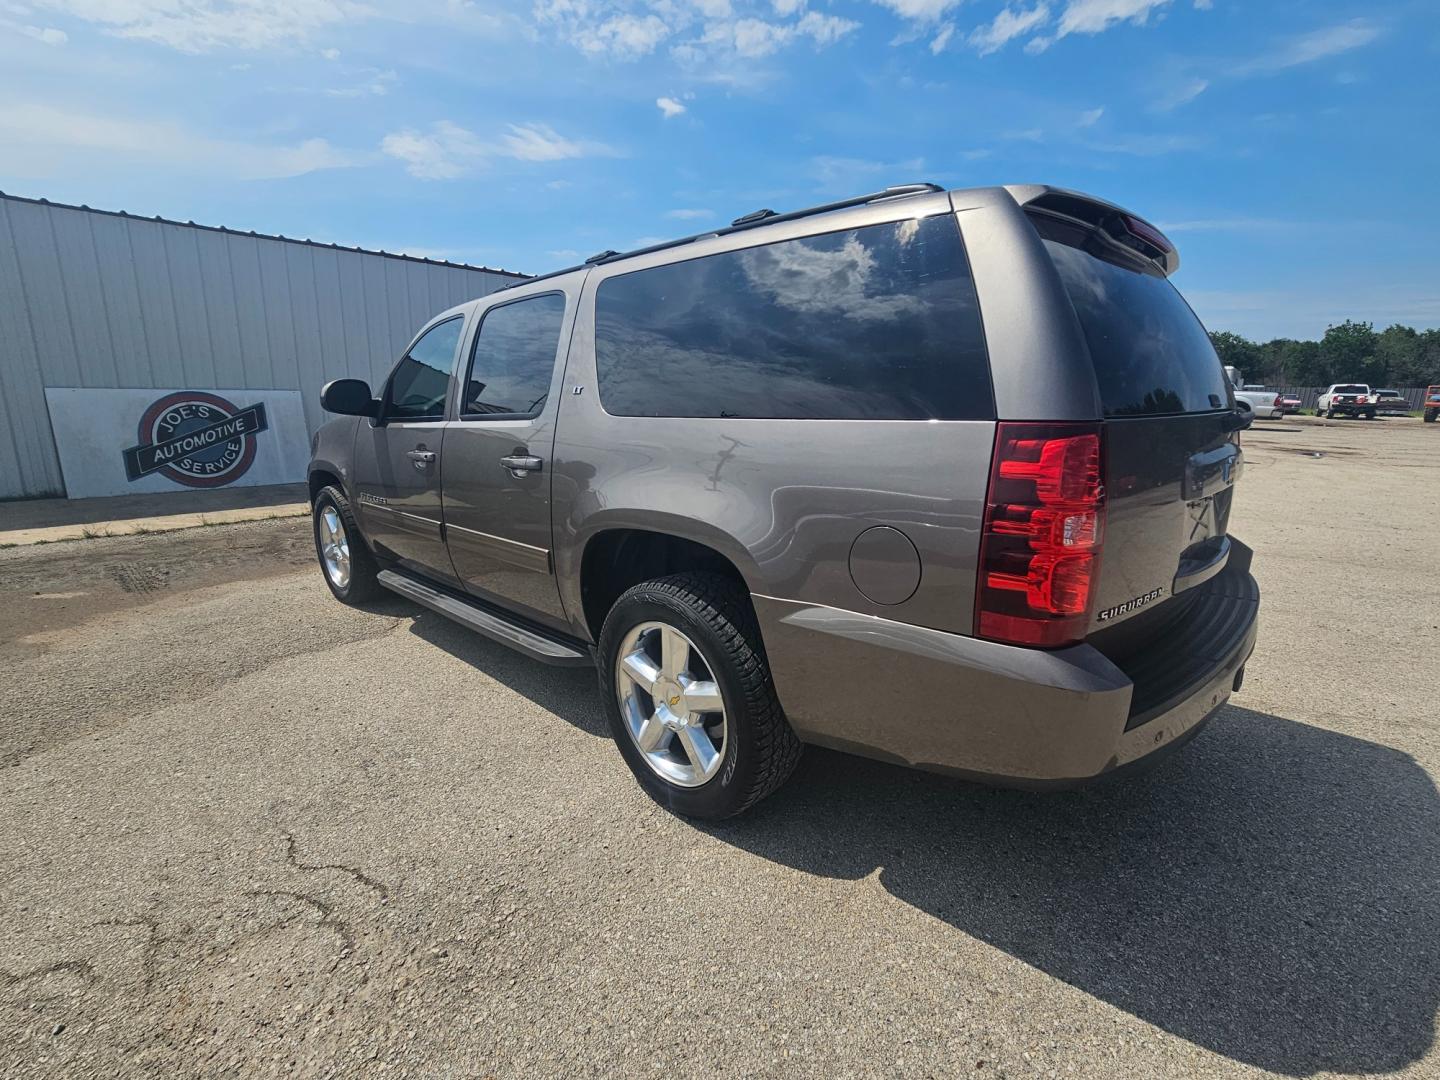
(94,299)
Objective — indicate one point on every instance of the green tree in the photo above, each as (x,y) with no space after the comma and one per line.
(1273,354)
(1238,352)
(1426,371)
(1348,352)
(1302,364)
(1397,352)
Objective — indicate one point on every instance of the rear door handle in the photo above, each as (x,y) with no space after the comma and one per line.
(521,464)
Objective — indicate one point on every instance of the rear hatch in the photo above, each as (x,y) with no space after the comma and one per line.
(1171,454)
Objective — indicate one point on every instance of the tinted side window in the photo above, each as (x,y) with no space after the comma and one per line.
(514,357)
(419,382)
(1151,354)
(879,323)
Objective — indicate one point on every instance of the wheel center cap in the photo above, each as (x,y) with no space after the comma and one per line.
(668,693)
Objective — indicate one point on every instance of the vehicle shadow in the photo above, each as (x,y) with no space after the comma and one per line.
(1272,893)
(569,693)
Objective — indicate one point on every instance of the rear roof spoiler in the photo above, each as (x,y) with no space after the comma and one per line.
(1117,224)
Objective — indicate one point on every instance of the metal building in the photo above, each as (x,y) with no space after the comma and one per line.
(101,300)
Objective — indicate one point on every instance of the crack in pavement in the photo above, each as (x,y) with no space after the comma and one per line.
(328,918)
(84,968)
(292,858)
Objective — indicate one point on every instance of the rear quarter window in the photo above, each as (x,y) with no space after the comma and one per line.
(878,323)
(1150,353)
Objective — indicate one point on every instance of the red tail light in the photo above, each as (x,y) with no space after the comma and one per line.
(1277,402)
(1044,526)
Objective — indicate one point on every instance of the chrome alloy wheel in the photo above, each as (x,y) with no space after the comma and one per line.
(334,547)
(671,704)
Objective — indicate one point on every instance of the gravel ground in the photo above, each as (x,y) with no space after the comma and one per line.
(250,832)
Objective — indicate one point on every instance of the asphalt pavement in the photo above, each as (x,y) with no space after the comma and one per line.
(250,832)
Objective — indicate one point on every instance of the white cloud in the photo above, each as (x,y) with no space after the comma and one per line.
(748,37)
(824,29)
(1089,117)
(756,38)
(198,26)
(925,11)
(1204,5)
(447,151)
(1315,45)
(689,215)
(625,37)
(940,40)
(1095,16)
(46,34)
(1007,26)
(538,142)
(669,106)
(1181,93)
(45,140)
(330,54)
(702,34)
(1182,85)
(377,84)
(600,30)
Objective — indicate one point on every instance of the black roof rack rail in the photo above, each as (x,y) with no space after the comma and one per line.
(754,215)
(748,221)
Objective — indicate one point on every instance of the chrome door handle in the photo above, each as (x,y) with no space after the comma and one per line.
(520,464)
(421,458)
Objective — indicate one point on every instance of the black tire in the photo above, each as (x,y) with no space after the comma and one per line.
(362,586)
(1430,415)
(760,749)
(1369,414)
(1329,414)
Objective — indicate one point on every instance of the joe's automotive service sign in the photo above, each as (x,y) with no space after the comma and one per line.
(197,439)
(115,442)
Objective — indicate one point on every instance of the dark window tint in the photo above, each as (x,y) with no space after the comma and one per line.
(513,358)
(1151,354)
(1350,388)
(879,323)
(419,382)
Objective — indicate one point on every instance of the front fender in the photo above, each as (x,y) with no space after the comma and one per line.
(331,451)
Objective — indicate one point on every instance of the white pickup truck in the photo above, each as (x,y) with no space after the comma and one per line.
(1265,404)
(1347,399)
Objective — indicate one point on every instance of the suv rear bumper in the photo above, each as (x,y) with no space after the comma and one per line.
(998,713)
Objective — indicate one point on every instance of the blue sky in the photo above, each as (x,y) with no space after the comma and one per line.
(1290,149)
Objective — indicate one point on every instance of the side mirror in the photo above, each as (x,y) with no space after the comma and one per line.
(349,397)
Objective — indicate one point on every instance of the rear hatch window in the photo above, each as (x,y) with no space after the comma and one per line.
(1151,355)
